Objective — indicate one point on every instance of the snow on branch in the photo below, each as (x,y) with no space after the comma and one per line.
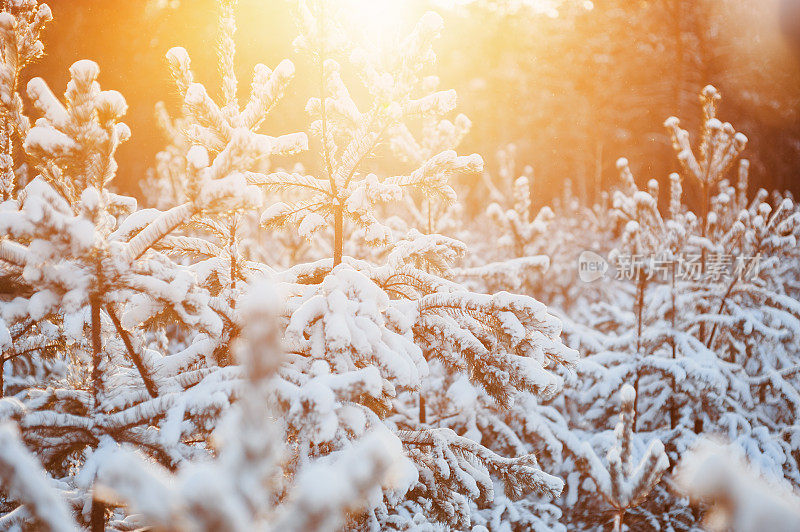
(28,485)
(742,499)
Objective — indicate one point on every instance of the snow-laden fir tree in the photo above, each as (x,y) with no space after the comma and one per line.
(415,146)
(413,141)
(94,297)
(535,250)
(224,138)
(21,25)
(516,261)
(88,284)
(640,326)
(395,332)
(702,322)
(522,229)
(348,135)
(628,478)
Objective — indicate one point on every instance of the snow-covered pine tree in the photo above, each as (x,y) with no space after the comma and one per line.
(77,269)
(245,487)
(348,135)
(92,293)
(413,141)
(378,341)
(702,317)
(535,251)
(21,25)
(167,183)
(748,318)
(521,227)
(224,138)
(435,135)
(630,475)
(367,357)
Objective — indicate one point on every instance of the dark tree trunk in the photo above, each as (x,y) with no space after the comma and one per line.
(135,357)
(98,517)
(338,235)
(673,403)
(639,317)
(96,350)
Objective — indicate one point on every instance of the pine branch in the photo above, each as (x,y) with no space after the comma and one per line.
(135,358)
(158,229)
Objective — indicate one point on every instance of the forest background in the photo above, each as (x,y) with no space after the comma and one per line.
(572,84)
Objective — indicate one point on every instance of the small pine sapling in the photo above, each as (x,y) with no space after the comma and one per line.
(225,148)
(627,479)
(348,136)
(21,25)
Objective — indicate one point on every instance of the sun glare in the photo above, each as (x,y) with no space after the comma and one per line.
(379,16)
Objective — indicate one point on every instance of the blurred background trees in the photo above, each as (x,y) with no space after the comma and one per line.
(572,83)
